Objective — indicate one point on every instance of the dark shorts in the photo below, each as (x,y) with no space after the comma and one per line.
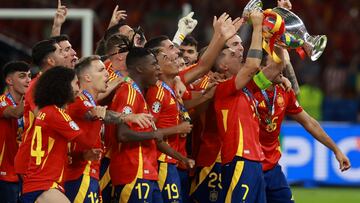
(277,188)
(243,181)
(84,189)
(206,184)
(169,183)
(139,191)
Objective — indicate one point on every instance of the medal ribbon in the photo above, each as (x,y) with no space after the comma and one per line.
(183,111)
(253,100)
(271,107)
(89,97)
(20,121)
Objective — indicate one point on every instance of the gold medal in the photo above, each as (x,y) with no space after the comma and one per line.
(271,127)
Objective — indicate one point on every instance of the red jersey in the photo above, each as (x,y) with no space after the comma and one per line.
(132,160)
(92,137)
(23,155)
(53,128)
(238,123)
(164,108)
(206,140)
(284,103)
(8,144)
(197,85)
(112,74)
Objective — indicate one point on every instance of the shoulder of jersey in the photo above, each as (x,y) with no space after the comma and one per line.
(63,114)
(160,93)
(3,101)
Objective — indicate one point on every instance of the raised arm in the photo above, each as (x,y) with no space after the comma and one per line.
(59,19)
(254,56)
(223,30)
(290,73)
(185,26)
(117,15)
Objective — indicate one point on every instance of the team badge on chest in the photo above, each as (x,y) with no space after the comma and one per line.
(127,110)
(156,107)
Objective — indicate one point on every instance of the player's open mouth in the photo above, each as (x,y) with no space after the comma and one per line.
(74,61)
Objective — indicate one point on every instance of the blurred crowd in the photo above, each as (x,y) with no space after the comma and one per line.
(330,87)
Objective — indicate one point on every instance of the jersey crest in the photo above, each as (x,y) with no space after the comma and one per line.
(127,110)
(156,107)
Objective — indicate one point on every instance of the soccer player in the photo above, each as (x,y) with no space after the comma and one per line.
(67,50)
(82,175)
(166,109)
(238,125)
(53,128)
(274,104)
(188,50)
(83,172)
(117,47)
(46,54)
(223,30)
(133,166)
(289,70)
(17,78)
(63,40)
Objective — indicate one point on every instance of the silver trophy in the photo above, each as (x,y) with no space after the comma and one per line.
(295,35)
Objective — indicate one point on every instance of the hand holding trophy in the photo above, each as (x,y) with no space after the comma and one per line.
(284,28)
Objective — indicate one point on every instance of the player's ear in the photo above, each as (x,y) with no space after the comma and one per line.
(9,81)
(87,77)
(50,61)
(139,69)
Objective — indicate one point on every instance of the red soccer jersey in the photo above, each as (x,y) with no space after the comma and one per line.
(165,110)
(23,155)
(284,103)
(238,124)
(92,137)
(206,139)
(197,85)
(53,128)
(8,144)
(112,74)
(132,159)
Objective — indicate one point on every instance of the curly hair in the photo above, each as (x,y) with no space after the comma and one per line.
(54,87)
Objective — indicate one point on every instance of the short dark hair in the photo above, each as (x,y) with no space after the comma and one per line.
(41,50)
(116,40)
(54,87)
(136,56)
(60,38)
(155,42)
(216,65)
(15,66)
(190,41)
(113,29)
(84,63)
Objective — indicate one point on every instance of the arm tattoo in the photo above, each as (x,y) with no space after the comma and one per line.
(113,117)
(290,74)
(254,53)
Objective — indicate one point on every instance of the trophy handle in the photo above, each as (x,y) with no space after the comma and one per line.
(314,46)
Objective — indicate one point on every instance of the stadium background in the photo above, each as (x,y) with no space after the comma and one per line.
(330,87)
